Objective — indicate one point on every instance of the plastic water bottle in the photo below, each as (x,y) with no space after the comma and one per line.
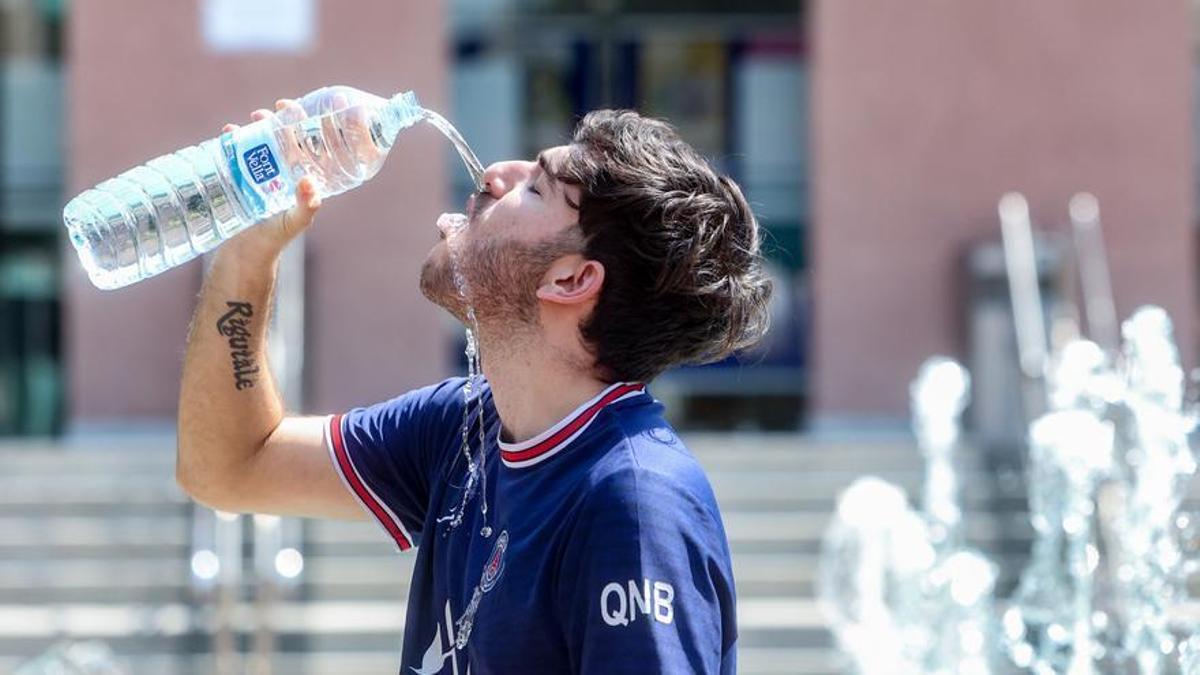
(175,207)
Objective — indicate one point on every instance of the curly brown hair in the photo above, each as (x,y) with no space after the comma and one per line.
(684,279)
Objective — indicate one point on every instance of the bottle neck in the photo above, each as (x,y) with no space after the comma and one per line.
(402,111)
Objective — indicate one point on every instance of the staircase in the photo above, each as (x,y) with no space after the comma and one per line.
(94,544)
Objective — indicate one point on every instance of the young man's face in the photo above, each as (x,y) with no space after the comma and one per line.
(520,224)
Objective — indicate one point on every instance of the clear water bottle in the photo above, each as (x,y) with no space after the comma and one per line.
(175,207)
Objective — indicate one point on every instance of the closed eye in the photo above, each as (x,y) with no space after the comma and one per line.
(532,187)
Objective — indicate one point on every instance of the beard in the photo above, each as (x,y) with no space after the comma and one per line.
(500,278)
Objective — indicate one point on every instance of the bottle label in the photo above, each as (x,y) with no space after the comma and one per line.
(260,164)
(256,170)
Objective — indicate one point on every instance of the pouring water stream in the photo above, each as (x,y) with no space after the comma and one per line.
(476,475)
(476,464)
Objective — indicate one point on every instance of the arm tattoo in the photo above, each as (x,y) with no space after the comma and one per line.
(235,325)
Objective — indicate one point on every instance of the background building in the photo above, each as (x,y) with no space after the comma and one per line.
(924,114)
(513,75)
(31,170)
(922,117)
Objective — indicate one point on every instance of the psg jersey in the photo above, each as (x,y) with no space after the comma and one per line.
(600,550)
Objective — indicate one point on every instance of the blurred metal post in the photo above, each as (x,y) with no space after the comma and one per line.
(216,563)
(285,341)
(1094,278)
(1025,293)
(285,352)
(266,544)
(75,658)
(229,581)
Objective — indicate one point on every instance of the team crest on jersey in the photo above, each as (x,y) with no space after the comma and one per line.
(495,564)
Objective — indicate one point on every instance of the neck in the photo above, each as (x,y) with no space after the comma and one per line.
(534,385)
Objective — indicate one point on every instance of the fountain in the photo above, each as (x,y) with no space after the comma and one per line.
(1108,466)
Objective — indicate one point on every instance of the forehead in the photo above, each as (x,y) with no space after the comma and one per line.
(551,159)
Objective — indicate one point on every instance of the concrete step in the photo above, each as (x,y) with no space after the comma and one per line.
(146,628)
(343,577)
(740,525)
(94,543)
(751,661)
(758,490)
(100,491)
(165,529)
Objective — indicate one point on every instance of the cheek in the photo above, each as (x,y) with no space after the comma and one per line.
(502,220)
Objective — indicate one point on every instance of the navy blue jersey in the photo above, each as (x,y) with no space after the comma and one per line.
(606,551)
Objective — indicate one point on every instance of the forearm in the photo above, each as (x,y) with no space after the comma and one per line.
(228,402)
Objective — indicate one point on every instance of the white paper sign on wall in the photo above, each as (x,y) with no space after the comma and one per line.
(231,26)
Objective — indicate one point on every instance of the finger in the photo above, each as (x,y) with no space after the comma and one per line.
(307,194)
(230,127)
(261,113)
(300,216)
(289,110)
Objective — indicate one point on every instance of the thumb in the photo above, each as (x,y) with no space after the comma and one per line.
(299,217)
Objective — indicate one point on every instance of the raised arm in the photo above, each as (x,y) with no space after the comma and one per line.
(238,451)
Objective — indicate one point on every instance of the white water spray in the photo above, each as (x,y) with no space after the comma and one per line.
(454,224)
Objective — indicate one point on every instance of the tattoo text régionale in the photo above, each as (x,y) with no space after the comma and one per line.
(235,325)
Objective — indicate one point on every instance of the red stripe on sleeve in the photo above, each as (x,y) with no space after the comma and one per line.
(347,468)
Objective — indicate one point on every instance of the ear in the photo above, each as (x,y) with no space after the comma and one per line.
(571,280)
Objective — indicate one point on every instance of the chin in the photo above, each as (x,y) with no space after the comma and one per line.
(437,283)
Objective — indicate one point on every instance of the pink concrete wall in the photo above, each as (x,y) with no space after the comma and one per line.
(926,111)
(142,82)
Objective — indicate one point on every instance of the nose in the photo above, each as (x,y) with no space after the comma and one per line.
(501,177)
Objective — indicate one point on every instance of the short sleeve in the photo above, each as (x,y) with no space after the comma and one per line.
(387,454)
(645,583)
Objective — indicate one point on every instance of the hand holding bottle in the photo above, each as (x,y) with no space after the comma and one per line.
(269,238)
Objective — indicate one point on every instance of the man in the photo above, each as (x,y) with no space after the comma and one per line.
(573,532)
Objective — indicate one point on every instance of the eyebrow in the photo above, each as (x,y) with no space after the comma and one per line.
(545,166)
(555,181)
